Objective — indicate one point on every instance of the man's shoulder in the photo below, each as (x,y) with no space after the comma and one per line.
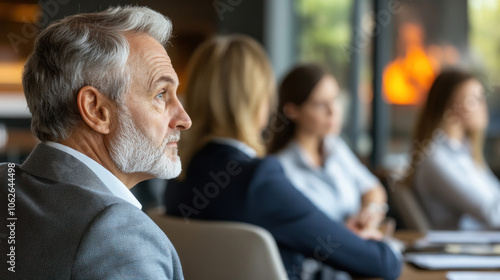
(139,247)
(42,190)
(58,204)
(54,219)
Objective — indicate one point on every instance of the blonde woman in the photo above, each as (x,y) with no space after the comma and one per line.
(449,174)
(228,96)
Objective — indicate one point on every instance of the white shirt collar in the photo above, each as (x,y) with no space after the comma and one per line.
(249,151)
(456,145)
(110,181)
(329,146)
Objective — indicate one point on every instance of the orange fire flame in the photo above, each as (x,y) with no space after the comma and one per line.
(407,79)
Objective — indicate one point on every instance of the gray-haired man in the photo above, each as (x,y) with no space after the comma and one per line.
(102,93)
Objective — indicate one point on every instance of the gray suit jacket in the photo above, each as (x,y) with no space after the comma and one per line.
(70,226)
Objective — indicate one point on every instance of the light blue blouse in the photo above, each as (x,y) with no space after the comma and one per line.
(455,192)
(337,187)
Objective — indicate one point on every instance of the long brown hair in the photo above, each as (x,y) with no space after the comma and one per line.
(435,111)
(229,78)
(295,88)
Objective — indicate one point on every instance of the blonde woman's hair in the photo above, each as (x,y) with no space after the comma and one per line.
(230,80)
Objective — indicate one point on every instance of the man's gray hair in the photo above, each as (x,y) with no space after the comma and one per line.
(83,50)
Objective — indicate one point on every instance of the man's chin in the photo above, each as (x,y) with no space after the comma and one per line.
(169,176)
(171,170)
(174,158)
(171,153)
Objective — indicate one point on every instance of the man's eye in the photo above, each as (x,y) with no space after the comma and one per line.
(161,95)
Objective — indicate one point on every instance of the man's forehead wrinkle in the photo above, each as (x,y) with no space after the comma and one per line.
(160,66)
(150,62)
(138,64)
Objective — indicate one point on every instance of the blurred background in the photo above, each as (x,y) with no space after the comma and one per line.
(384,53)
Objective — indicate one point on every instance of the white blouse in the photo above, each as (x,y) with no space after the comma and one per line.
(456,192)
(337,187)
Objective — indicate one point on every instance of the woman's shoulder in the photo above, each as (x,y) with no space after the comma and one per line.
(270,161)
(217,156)
(288,151)
(216,152)
(437,161)
(438,153)
(288,156)
(338,150)
(266,168)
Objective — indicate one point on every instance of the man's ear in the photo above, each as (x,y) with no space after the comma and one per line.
(95,109)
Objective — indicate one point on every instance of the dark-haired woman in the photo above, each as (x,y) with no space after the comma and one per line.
(316,159)
(449,174)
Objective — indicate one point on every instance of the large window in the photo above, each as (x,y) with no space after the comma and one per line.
(426,37)
(18,27)
(326,35)
(485,56)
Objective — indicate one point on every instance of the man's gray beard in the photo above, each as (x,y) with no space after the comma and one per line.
(133,152)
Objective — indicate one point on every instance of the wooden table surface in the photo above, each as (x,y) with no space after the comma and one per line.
(411,272)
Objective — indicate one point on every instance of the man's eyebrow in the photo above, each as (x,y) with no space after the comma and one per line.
(163,79)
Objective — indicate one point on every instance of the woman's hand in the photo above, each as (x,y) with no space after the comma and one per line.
(363,232)
(371,215)
(374,208)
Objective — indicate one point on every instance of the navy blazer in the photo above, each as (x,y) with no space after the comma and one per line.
(223,183)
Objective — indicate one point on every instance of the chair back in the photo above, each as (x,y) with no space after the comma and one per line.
(222,250)
(410,208)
